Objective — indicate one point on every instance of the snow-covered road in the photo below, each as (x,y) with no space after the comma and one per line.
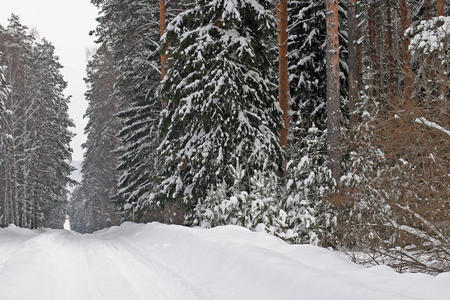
(155,261)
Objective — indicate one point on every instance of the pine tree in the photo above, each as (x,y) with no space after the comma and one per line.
(221,105)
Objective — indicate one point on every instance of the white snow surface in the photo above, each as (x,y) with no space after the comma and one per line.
(156,261)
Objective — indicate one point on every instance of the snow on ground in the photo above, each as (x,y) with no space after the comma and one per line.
(156,261)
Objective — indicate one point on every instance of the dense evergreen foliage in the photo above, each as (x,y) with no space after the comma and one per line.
(34,131)
(99,184)
(185,127)
(221,106)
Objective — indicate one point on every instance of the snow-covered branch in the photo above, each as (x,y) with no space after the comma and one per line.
(434,125)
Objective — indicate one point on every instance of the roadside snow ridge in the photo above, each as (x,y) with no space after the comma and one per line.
(167,262)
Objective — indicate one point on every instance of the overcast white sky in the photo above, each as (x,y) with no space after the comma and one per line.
(66,24)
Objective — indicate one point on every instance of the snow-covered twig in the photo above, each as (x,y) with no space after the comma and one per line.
(425,122)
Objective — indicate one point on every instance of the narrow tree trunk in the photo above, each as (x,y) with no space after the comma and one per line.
(390,56)
(353,75)
(440,9)
(428,9)
(14,179)
(5,199)
(374,41)
(35,212)
(162,23)
(360,63)
(333,91)
(406,68)
(283,68)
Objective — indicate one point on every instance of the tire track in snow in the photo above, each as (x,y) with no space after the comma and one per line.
(61,265)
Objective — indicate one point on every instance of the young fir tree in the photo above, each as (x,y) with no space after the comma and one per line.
(221,105)
(256,206)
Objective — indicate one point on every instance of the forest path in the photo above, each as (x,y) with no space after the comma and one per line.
(65,265)
(161,262)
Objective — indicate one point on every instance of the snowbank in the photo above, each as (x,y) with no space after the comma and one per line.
(156,261)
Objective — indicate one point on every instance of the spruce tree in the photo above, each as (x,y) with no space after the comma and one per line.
(100,160)
(131,31)
(222,109)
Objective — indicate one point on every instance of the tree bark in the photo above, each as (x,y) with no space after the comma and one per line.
(333,89)
(428,9)
(440,9)
(162,24)
(390,55)
(406,57)
(360,63)
(375,45)
(353,75)
(283,81)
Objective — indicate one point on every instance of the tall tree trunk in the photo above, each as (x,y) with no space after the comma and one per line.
(333,91)
(440,9)
(428,9)
(14,184)
(374,42)
(283,68)
(5,198)
(406,57)
(390,55)
(360,61)
(162,24)
(353,75)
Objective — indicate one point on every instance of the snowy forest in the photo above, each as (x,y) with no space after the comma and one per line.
(34,131)
(320,122)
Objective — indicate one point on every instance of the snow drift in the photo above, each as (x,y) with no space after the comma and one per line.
(156,261)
